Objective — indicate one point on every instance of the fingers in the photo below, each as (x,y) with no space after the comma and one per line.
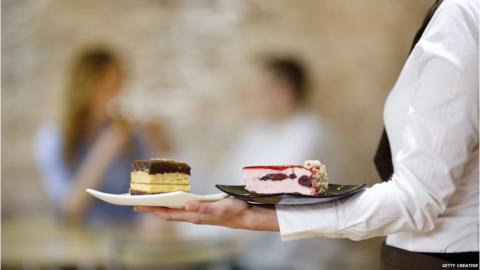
(217,209)
(192,206)
(179,215)
(149,208)
(201,207)
(221,212)
(198,207)
(171,214)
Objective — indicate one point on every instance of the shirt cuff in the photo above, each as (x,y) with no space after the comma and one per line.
(297,222)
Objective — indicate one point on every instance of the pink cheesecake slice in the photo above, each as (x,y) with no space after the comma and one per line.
(308,179)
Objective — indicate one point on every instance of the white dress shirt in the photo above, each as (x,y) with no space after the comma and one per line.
(431,118)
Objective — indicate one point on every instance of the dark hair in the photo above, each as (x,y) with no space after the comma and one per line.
(292,71)
(426,20)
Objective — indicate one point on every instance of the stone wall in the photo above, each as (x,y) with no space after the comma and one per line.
(198,55)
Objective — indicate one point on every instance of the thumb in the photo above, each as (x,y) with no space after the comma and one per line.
(198,207)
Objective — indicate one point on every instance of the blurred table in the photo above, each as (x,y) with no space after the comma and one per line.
(42,243)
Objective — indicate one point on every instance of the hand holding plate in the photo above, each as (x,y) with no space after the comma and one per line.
(232,213)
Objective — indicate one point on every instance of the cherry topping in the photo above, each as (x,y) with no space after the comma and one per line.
(305,181)
(292,176)
(274,177)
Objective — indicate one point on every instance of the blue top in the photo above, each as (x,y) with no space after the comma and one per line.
(57,175)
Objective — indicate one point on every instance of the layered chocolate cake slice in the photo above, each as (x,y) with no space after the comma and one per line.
(159,176)
(308,179)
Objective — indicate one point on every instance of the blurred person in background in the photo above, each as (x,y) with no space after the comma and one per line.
(280,131)
(278,121)
(89,147)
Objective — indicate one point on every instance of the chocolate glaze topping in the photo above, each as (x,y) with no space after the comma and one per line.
(154,166)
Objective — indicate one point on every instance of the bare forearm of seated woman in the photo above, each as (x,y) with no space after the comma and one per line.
(106,149)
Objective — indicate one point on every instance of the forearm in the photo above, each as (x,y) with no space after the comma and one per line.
(259,218)
(89,175)
(381,210)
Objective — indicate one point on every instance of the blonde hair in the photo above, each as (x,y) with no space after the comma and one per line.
(80,91)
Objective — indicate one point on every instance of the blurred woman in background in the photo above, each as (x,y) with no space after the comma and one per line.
(89,147)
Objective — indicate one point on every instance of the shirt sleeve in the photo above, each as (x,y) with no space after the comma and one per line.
(49,156)
(438,139)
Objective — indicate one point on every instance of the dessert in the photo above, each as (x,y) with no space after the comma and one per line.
(308,179)
(158,176)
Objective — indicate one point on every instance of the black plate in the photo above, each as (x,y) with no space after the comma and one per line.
(333,193)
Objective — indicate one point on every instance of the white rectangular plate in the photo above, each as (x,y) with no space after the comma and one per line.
(176,199)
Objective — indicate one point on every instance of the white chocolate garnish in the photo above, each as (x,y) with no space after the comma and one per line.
(309,164)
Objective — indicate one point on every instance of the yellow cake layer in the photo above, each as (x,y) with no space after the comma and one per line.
(159,178)
(157,188)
